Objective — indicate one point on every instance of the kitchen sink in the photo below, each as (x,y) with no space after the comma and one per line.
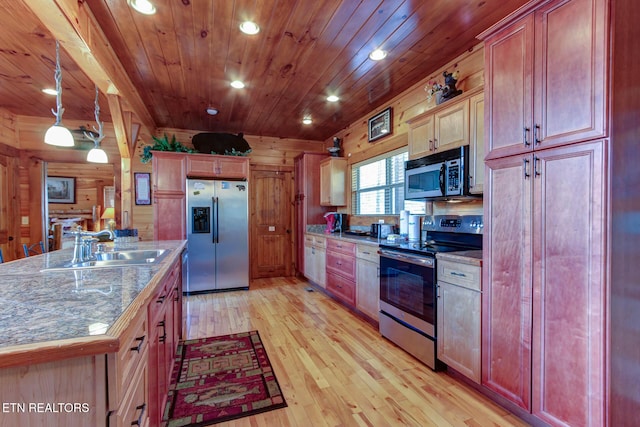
(124,258)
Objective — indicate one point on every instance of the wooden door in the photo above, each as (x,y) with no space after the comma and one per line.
(9,212)
(271,225)
(507,278)
(569,292)
(476,144)
(421,137)
(509,89)
(459,328)
(570,72)
(451,126)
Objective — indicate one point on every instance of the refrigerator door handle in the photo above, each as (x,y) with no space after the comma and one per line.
(215,202)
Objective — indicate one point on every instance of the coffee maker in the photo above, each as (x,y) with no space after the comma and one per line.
(336,222)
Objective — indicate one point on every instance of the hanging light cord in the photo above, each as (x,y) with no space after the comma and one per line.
(58,76)
(100,130)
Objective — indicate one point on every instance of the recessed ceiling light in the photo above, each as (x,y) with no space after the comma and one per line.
(50,91)
(237,84)
(377,55)
(249,27)
(332,98)
(143,6)
(307,121)
(212,111)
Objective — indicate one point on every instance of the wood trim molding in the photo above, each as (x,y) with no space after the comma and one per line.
(74,25)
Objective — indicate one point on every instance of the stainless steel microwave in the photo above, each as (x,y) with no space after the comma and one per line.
(439,176)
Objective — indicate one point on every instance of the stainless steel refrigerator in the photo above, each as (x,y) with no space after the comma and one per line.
(218,235)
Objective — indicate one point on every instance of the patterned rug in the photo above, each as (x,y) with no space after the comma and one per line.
(219,379)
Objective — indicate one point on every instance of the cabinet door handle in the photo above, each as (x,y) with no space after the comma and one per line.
(536,135)
(435,143)
(526,168)
(140,408)
(431,147)
(366,253)
(536,163)
(525,136)
(163,337)
(455,273)
(139,346)
(161,299)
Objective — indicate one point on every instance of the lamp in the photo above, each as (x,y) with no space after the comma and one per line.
(109,214)
(97,154)
(58,134)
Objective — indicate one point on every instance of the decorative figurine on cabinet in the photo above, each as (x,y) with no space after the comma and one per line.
(335,150)
(449,91)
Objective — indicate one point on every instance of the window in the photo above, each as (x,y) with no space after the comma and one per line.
(377,186)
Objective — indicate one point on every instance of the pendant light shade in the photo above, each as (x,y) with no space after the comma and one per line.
(97,155)
(58,134)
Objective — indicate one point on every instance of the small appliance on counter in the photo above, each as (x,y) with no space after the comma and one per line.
(336,222)
(381,230)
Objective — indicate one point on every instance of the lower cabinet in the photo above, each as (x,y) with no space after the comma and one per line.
(459,317)
(163,339)
(368,280)
(341,270)
(314,259)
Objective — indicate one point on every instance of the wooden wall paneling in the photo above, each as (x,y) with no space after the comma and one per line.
(8,128)
(9,209)
(409,104)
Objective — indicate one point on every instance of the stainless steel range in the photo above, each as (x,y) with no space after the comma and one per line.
(408,282)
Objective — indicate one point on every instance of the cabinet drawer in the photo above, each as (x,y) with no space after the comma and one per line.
(341,264)
(460,274)
(368,252)
(341,246)
(317,241)
(341,287)
(131,355)
(135,407)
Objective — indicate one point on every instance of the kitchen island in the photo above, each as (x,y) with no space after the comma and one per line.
(90,346)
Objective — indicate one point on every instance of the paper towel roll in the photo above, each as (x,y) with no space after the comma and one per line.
(404,223)
(414,227)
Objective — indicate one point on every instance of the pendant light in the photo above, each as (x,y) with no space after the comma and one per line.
(58,134)
(97,154)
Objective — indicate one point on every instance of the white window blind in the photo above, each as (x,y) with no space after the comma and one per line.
(377,185)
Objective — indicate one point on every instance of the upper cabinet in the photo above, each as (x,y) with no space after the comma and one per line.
(476,144)
(213,166)
(442,128)
(545,78)
(333,174)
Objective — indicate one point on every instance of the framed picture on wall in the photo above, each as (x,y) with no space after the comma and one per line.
(380,125)
(61,189)
(143,188)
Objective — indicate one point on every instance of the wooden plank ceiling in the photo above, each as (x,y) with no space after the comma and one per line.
(182,59)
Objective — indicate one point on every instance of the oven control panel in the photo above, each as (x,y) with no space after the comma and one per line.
(472,224)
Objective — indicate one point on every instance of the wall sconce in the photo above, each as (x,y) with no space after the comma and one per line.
(97,154)
(57,134)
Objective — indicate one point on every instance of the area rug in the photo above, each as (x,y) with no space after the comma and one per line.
(220,379)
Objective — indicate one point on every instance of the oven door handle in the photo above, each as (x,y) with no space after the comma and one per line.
(411,259)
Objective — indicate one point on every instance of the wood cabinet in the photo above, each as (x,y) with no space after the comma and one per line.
(368,280)
(476,144)
(546,77)
(219,167)
(341,270)
(544,297)
(163,339)
(169,196)
(314,259)
(459,317)
(442,128)
(308,210)
(333,178)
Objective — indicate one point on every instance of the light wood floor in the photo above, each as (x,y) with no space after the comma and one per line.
(334,368)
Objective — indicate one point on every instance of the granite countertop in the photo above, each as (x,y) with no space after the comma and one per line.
(466,257)
(50,309)
(373,241)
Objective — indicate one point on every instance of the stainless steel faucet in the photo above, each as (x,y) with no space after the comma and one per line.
(82,248)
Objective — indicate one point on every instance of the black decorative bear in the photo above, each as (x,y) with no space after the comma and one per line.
(449,91)
(221,143)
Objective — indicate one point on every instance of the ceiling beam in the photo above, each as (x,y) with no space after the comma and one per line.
(121,126)
(73,24)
